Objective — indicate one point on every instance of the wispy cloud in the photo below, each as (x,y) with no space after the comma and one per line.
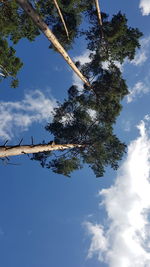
(142,53)
(83,58)
(138,90)
(19,115)
(145,7)
(124,239)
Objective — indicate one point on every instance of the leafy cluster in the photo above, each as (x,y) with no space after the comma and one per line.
(118,42)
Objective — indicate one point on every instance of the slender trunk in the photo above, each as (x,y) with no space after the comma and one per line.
(61,16)
(28,8)
(99,15)
(7,151)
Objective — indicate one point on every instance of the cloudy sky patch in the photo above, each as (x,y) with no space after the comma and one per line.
(142,54)
(145,7)
(19,115)
(124,239)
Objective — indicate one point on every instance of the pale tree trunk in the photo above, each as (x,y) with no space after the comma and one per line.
(61,16)
(99,15)
(28,8)
(7,151)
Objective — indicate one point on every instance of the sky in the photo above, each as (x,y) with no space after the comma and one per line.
(50,220)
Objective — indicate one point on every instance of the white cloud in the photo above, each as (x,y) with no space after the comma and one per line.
(124,240)
(145,7)
(35,107)
(105,65)
(83,58)
(138,89)
(99,242)
(142,53)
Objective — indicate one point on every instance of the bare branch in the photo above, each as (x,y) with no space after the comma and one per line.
(61,16)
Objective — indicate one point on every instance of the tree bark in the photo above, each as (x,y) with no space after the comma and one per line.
(61,16)
(7,151)
(28,8)
(98,12)
(99,15)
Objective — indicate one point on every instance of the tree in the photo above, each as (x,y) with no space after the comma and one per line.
(87,117)
(83,125)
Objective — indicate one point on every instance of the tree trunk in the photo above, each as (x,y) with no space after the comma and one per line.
(7,151)
(99,15)
(61,16)
(28,8)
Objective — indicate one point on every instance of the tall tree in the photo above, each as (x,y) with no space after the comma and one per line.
(88,115)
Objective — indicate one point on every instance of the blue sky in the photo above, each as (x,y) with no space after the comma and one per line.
(50,220)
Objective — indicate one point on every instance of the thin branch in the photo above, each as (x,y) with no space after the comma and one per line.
(61,16)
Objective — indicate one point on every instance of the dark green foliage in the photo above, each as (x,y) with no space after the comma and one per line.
(15,24)
(72,11)
(87,116)
(64,165)
(119,42)
(9,63)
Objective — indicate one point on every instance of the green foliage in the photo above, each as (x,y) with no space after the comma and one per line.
(86,118)
(88,115)
(119,42)
(64,165)
(72,11)
(9,63)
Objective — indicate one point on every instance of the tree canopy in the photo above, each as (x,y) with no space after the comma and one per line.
(87,116)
